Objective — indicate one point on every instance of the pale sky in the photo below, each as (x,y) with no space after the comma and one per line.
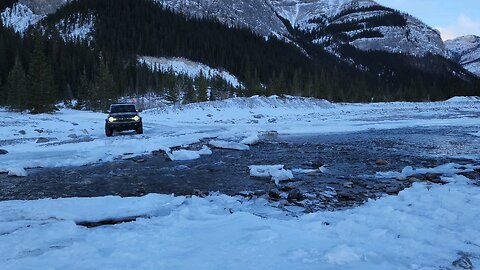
(453,18)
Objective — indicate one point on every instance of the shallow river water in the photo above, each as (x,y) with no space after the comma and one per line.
(351,159)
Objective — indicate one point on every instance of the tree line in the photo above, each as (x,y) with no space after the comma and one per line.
(43,67)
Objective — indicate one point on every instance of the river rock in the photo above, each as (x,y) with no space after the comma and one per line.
(199,193)
(3,152)
(295,195)
(381,162)
(288,187)
(272,120)
(73,136)
(274,194)
(435,178)
(42,140)
(471,175)
(464,262)
(23,132)
(348,185)
(39,130)
(393,190)
(139,160)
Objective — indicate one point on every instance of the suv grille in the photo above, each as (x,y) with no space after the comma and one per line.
(129,119)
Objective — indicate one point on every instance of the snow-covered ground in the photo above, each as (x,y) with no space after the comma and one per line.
(424,227)
(75,138)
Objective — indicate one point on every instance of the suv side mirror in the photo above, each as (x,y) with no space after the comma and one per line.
(107,111)
(139,111)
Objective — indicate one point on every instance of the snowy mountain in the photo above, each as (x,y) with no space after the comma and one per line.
(295,47)
(466,51)
(361,23)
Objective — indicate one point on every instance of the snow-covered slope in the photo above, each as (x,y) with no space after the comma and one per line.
(19,17)
(25,13)
(466,51)
(77,27)
(184,66)
(254,14)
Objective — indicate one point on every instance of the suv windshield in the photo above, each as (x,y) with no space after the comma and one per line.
(122,108)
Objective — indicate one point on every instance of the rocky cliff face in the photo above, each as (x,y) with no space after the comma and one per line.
(466,51)
(361,23)
(43,7)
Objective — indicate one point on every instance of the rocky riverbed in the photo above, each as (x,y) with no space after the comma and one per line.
(331,172)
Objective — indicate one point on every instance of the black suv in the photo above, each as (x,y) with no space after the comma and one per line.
(123,117)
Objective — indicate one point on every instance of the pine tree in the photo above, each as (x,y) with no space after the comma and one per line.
(3,94)
(40,80)
(17,87)
(83,92)
(190,95)
(104,91)
(172,93)
(201,85)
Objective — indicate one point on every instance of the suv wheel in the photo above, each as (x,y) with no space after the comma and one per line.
(108,131)
(140,129)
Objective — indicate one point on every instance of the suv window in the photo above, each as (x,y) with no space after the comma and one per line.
(122,108)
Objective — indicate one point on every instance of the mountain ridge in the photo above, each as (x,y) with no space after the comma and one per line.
(88,36)
(466,51)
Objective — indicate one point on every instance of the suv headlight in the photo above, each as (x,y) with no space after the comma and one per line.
(136,118)
(112,119)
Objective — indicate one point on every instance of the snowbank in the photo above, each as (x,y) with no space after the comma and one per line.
(424,227)
(464,99)
(446,169)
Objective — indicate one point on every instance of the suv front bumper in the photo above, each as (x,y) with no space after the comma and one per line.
(121,126)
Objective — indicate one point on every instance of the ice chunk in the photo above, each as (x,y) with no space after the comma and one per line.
(251,140)
(229,145)
(276,172)
(306,171)
(183,155)
(205,151)
(188,154)
(17,172)
(323,169)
